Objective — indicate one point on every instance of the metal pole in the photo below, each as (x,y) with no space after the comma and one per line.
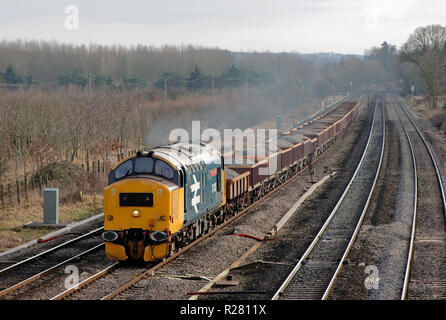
(165,91)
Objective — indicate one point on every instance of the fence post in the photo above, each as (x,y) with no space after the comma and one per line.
(40,183)
(9,193)
(93,163)
(18,190)
(99,167)
(26,188)
(88,162)
(2,195)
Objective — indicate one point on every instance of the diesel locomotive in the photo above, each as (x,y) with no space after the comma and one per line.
(160,200)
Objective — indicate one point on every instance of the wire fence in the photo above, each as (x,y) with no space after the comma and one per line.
(18,192)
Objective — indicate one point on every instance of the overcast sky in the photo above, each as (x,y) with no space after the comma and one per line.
(344,26)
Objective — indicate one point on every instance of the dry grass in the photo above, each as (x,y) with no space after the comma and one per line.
(12,219)
(436,116)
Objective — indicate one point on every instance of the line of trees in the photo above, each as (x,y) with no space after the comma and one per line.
(49,64)
(426,49)
(75,103)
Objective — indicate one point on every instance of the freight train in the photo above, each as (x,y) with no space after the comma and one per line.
(159,200)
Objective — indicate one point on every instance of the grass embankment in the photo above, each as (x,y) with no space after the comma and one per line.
(12,219)
(436,116)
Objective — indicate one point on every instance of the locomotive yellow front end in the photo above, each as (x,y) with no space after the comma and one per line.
(143,208)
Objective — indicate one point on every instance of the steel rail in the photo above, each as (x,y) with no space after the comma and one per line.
(364,210)
(51,250)
(440,182)
(330,217)
(414,216)
(82,284)
(40,274)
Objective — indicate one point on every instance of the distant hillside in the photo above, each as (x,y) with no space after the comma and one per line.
(318,59)
(321,58)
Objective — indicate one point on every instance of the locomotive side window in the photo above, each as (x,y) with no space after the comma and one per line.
(124,169)
(163,169)
(144,165)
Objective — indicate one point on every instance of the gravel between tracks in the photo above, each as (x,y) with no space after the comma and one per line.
(22,254)
(53,282)
(384,235)
(314,275)
(58,280)
(428,274)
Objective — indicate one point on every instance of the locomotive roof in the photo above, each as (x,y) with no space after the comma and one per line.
(185,154)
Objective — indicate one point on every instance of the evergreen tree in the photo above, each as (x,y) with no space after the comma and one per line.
(198,80)
(11,77)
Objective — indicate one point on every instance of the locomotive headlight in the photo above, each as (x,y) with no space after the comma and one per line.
(136,213)
(109,217)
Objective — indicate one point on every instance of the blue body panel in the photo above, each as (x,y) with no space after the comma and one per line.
(202,190)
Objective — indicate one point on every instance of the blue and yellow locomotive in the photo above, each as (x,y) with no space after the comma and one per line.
(162,198)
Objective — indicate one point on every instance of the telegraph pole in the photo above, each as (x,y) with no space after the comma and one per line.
(165,91)
(89,83)
(368,96)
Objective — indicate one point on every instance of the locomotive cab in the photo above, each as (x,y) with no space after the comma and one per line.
(159,197)
(142,208)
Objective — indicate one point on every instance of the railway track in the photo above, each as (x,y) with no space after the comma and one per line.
(425,275)
(316,271)
(25,272)
(129,284)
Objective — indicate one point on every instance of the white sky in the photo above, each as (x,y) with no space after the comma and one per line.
(344,26)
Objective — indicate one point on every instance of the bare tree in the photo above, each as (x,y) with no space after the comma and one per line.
(426,48)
